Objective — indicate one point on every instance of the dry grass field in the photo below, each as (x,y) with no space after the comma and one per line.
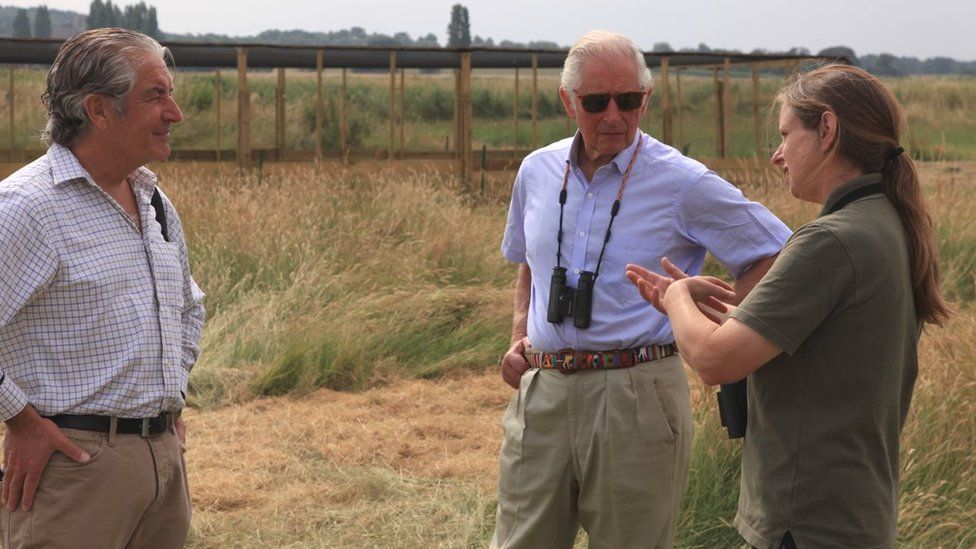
(347,394)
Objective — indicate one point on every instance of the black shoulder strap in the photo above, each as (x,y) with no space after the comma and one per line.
(157,204)
(867,190)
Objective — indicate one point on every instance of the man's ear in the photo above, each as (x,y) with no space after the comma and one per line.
(99,110)
(567,102)
(829,131)
(646,101)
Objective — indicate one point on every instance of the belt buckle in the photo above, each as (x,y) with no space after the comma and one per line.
(144,428)
(566,360)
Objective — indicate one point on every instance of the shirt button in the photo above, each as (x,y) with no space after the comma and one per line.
(589,195)
(576,271)
(582,234)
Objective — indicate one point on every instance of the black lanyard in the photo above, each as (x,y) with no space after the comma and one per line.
(858,193)
(613,209)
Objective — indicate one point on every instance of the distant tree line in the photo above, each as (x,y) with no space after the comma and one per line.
(883,64)
(42,23)
(137,17)
(143,18)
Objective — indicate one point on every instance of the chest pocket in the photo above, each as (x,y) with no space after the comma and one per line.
(165,259)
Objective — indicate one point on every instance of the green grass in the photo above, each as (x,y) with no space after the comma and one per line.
(942,124)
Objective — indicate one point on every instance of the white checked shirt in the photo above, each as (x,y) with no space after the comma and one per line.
(95,317)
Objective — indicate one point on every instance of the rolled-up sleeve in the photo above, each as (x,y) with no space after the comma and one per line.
(513,243)
(737,231)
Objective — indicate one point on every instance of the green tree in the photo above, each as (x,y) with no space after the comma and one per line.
(152,25)
(42,23)
(459,29)
(135,17)
(138,17)
(887,65)
(429,40)
(839,51)
(22,24)
(96,15)
(114,15)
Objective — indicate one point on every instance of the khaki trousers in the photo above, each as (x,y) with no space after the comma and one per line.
(607,449)
(131,494)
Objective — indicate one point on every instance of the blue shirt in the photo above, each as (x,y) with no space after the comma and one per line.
(672,206)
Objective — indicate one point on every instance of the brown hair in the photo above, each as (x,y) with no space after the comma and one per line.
(870,122)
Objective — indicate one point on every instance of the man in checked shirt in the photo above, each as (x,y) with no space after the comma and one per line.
(99,317)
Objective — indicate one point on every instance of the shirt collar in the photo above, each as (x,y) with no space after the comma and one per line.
(620,161)
(66,167)
(844,188)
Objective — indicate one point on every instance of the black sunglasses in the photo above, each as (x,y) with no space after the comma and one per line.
(598,102)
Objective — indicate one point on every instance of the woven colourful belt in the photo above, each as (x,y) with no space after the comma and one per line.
(569,360)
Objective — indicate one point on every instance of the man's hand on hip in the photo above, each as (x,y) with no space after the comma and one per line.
(514,363)
(27,446)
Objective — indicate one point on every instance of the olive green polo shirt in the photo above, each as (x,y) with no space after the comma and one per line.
(820,456)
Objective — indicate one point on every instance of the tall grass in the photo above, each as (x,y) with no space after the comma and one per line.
(317,280)
(350,278)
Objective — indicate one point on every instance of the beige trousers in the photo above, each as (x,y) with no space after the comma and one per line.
(605,449)
(131,494)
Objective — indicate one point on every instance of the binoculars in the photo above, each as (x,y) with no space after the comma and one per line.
(566,301)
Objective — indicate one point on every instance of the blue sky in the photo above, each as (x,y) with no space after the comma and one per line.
(902,27)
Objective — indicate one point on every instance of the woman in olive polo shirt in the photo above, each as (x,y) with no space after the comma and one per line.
(828,338)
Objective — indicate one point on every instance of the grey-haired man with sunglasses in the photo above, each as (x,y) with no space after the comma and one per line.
(608,446)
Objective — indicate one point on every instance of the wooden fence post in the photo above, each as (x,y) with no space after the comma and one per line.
(319,103)
(719,114)
(280,115)
(726,108)
(344,121)
(755,109)
(393,61)
(515,115)
(402,113)
(217,92)
(666,103)
(467,156)
(681,121)
(458,129)
(243,110)
(535,97)
(10,104)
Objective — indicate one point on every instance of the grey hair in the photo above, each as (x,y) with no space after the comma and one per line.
(603,45)
(102,61)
